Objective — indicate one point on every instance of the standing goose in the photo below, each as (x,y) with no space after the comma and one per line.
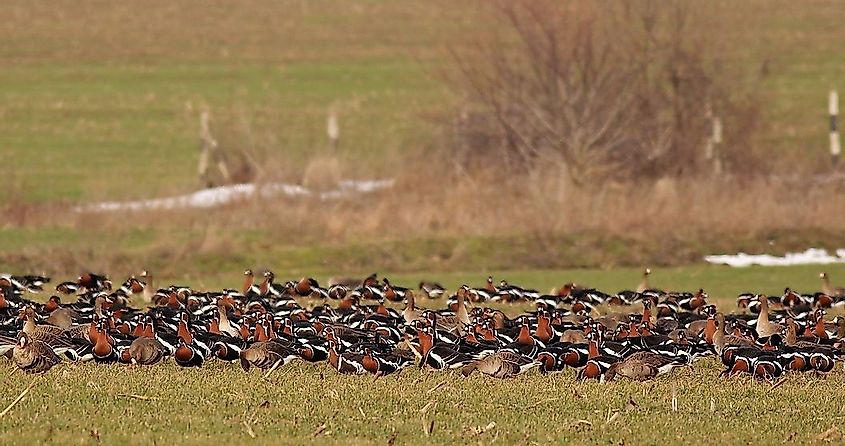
(53,336)
(249,283)
(104,350)
(831,291)
(500,365)
(764,327)
(191,352)
(644,283)
(410,313)
(32,355)
(722,339)
(149,291)
(224,325)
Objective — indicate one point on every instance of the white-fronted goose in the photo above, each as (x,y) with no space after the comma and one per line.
(765,327)
(832,291)
(265,354)
(432,290)
(32,355)
(143,351)
(500,365)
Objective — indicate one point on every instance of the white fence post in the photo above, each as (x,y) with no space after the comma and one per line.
(833,109)
(333,129)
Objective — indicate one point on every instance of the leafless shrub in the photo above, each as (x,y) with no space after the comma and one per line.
(620,89)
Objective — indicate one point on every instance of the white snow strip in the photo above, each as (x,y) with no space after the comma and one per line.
(812,256)
(217,196)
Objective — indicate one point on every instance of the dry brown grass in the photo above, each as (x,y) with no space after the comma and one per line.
(537,219)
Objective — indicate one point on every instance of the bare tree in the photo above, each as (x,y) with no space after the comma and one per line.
(606,88)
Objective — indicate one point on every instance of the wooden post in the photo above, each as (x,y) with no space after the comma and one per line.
(209,149)
(333,130)
(711,147)
(207,142)
(833,108)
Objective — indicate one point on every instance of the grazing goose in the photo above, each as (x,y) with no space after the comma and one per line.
(143,351)
(265,354)
(345,282)
(644,366)
(94,282)
(32,355)
(500,365)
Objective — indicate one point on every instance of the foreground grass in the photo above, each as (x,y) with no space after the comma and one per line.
(302,403)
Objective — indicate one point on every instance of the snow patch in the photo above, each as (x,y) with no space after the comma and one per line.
(812,256)
(217,196)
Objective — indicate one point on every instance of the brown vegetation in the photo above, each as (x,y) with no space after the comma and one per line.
(605,90)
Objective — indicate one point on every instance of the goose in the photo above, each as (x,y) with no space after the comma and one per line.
(347,363)
(722,339)
(597,364)
(381,365)
(438,356)
(410,313)
(94,282)
(32,355)
(643,366)
(764,327)
(24,283)
(266,354)
(105,350)
(223,324)
(143,351)
(393,293)
(249,283)
(69,287)
(59,316)
(644,285)
(832,291)
(51,335)
(191,351)
(432,290)
(345,282)
(501,365)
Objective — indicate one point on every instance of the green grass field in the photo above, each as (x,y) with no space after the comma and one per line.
(99,100)
(305,403)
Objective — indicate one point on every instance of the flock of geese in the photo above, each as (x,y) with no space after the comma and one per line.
(636,334)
